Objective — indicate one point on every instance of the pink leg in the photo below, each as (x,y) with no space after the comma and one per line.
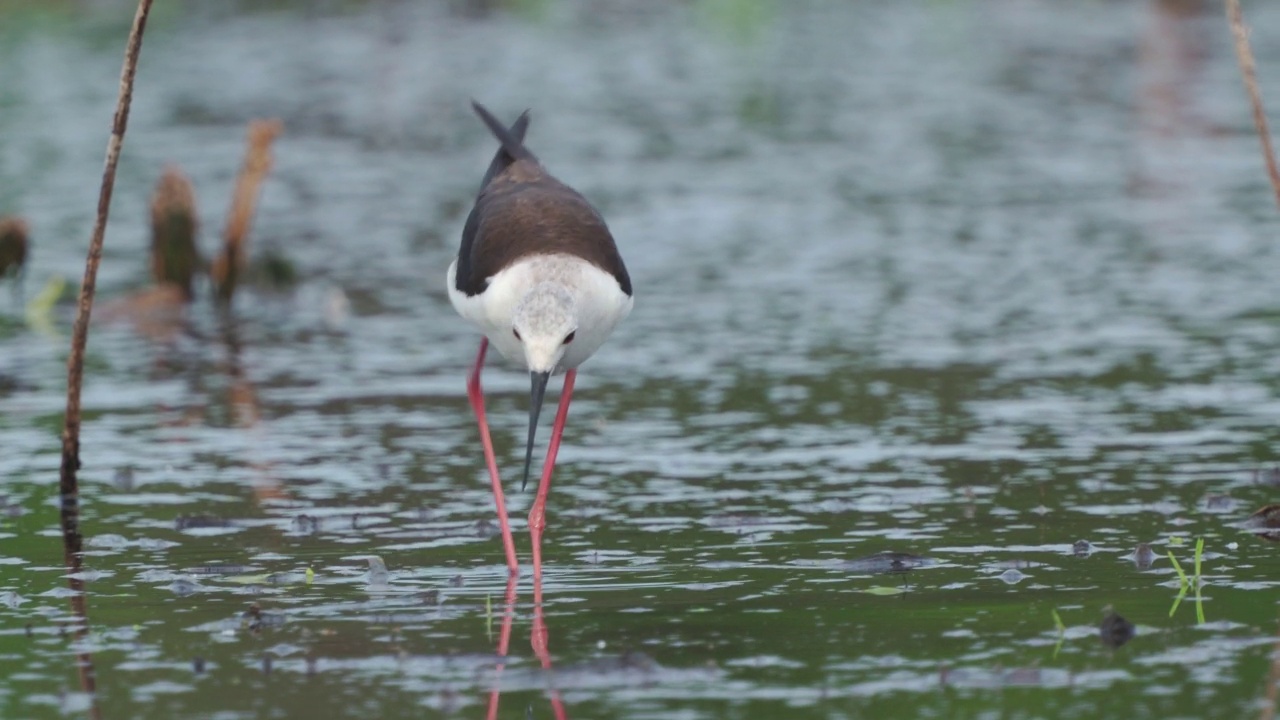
(537,515)
(476,396)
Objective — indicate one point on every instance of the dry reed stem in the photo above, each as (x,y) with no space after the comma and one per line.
(13,244)
(174,222)
(229,265)
(80,333)
(1249,70)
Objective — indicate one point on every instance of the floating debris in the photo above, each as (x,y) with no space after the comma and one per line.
(1265,523)
(1082,548)
(1115,630)
(183,587)
(196,522)
(1267,476)
(197,665)
(1012,576)
(306,524)
(174,222)
(255,619)
(1219,502)
(888,561)
(1143,556)
(378,574)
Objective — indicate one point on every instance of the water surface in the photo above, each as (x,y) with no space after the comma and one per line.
(963,282)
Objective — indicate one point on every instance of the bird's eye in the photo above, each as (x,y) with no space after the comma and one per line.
(569,338)
(517,334)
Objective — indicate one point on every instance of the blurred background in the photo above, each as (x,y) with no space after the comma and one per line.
(956,327)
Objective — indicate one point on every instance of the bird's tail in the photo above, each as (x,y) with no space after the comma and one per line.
(512,140)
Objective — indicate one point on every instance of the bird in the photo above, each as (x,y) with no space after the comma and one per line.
(540,274)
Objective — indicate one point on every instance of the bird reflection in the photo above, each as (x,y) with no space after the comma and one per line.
(539,640)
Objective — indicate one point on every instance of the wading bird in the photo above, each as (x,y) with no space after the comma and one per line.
(540,275)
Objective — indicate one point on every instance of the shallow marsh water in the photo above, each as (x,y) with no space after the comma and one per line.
(967,282)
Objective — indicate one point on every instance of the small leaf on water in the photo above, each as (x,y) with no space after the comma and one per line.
(883,590)
(1175,540)
(311,575)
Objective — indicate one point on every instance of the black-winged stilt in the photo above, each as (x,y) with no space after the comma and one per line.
(539,273)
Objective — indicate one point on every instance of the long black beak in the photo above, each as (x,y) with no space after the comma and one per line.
(537,389)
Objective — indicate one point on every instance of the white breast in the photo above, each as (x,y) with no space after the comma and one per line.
(600,303)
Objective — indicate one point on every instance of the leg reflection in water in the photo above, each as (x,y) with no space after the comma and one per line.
(538,639)
(504,642)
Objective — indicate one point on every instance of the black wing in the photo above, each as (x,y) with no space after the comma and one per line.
(512,149)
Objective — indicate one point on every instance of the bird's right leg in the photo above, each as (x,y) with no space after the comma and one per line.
(476,395)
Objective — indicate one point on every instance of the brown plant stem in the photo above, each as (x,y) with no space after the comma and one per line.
(230,264)
(1248,69)
(80,333)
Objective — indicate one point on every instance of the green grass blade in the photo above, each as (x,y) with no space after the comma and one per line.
(1182,577)
(1178,600)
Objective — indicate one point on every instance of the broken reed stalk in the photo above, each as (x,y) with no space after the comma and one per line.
(13,245)
(230,264)
(174,257)
(1249,70)
(80,333)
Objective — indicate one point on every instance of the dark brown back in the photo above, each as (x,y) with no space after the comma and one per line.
(522,210)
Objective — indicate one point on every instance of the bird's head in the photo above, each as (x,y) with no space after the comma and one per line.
(545,323)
